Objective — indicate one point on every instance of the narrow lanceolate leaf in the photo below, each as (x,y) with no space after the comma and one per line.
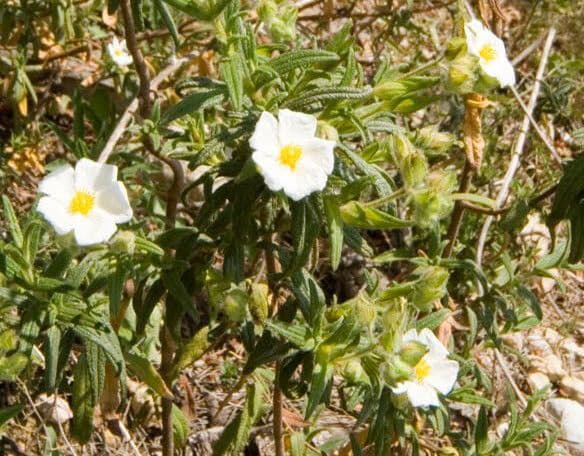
(360,216)
(232,73)
(305,228)
(321,375)
(51,352)
(192,103)
(303,58)
(83,404)
(106,339)
(145,371)
(180,427)
(168,20)
(10,216)
(32,235)
(236,434)
(192,350)
(334,223)
(326,95)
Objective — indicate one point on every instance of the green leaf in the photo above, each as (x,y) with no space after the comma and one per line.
(321,375)
(177,290)
(433,320)
(106,338)
(180,427)
(335,228)
(116,282)
(7,413)
(232,73)
(146,372)
(359,215)
(303,58)
(192,103)
(168,21)
(32,235)
(192,350)
(13,225)
(205,10)
(52,345)
(82,403)
(327,95)
(481,433)
(236,434)
(305,229)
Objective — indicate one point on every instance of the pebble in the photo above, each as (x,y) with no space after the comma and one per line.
(571,416)
(573,388)
(537,381)
(54,409)
(550,365)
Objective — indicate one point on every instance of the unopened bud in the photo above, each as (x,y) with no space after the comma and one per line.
(123,242)
(431,138)
(414,169)
(325,130)
(258,304)
(235,305)
(353,372)
(430,287)
(463,74)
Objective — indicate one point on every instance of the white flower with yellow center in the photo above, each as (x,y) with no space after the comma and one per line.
(433,374)
(118,51)
(288,154)
(87,200)
(490,50)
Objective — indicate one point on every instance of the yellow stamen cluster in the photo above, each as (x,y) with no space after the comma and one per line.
(82,203)
(422,370)
(289,156)
(488,53)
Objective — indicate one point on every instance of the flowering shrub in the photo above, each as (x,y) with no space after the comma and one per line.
(227,204)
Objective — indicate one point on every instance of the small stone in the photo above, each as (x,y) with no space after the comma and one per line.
(552,337)
(571,416)
(573,388)
(514,340)
(538,345)
(54,409)
(550,365)
(571,348)
(538,381)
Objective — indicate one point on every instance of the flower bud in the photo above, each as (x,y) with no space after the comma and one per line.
(396,370)
(258,304)
(235,304)
(353,372)
(431,286)
(462,74)
(412,352)
(455,47)
(402,147)
(414,169)
(431,138)
(365,311)
(280,20)
(325,130)
(123,242)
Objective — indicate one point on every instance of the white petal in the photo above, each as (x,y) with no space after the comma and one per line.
(94,228)
(306,179)
(401,387)
(59,184)
(91,175)
(265,135)
(56,214)
(114,200)
(124,60)
(443,374)
(421,395)
(270,168)
(501,70)
(411,335)
(320,153)
(428,338)
(295,127)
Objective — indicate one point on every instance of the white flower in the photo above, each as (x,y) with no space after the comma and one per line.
(490,50)
(289,156)
(87,200)
(433,374)
(118,51)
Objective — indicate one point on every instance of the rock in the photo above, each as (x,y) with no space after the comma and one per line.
(573,388)
(54,409)
(538,345)
(537,381)
(514,340)
(571,348)
(552,337)
(550,365)
(571,416)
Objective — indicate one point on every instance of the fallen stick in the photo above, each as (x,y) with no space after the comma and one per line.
(519,146)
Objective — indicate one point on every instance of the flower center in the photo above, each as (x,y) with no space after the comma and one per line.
(118,52)
(82,203)
(289,155)
(422,370)
(488,53)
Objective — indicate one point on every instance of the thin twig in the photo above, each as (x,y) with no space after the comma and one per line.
(510,378)
(519,146)
(458,211)
(133,106)
(537,128)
